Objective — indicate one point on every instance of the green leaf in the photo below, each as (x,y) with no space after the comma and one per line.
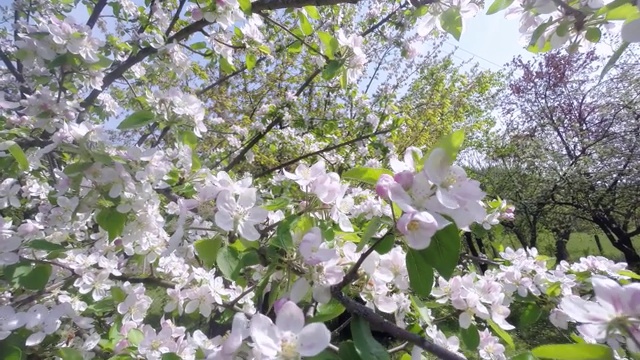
(451,143)
(76,168)
(366,175)
(612,5)
(189,138)
(331,69)
(366,346)
(420,273)
(40,244)
(171,356)
(524,356)
(614,58)
(312,11)
(250,61)
(70,354)
(530,315)
(36,278)
(137,120)
(207,250)
(264,49)
(135,336)
(305,25)
(386,244)
(228,261)
(371,229)
(574,352)
(502,334)
(276,204)
(470,337)
(16,151)
(538,32)
(347,351)
(283,237)
(10,352)
(226,66)
(199,45)
(421,308)
(622,12)
(554,289)
(593,34)
(330,43)
(111,221)
(444,251)
(629,273)
(325,355)
(328,311)
(245,5)
(499,5)
(451,22)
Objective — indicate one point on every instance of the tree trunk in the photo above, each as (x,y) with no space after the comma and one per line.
(598,243)
(619,239)
(562,238)
(518,233)
(533,234)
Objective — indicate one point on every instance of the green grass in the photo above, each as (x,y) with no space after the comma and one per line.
(580,244)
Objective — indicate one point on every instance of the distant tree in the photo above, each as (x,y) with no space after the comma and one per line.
(578,137)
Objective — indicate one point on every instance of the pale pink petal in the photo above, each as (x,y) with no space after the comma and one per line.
(290,318)
(313,339)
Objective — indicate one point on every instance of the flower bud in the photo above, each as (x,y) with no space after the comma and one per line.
(277,305)
(383,186)
(196,14)
(405,179)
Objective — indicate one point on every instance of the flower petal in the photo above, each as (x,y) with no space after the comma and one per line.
(264,335)
(313,339)
(290,318)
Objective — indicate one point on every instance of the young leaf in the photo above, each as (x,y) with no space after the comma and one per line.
(366,175)
(331,69)
(502,334)
(386,244)
(371,229)
(137,120)
(524,356)
(228,261)
(305,25)
(444,251)
(612,61)
(19,155)
(207,250)
(530,315)
(312,11)
(69,354)
(499,5)
(36,278)
(574,352)
(250,61)
(451,22)
(328,311)
(40,244)
(366,346)
(135,336)
(112,221)
(347,350)
(245,5)
(470,337)
(420,273)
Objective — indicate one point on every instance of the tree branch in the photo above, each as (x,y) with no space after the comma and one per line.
(396,332)
(328,148)
(95,14)
(261,5)
(175,18)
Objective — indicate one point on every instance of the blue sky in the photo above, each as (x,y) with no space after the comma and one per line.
(489,40)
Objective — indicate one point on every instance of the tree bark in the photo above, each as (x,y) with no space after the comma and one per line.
(598,243)
(562,238)
(468,237)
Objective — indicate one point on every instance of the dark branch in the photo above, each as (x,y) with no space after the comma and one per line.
(261,5)
(394,331)
(95,14)
(328,148)
(12,69)
(175,18)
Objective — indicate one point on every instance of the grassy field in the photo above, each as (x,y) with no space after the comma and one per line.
(580,244)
